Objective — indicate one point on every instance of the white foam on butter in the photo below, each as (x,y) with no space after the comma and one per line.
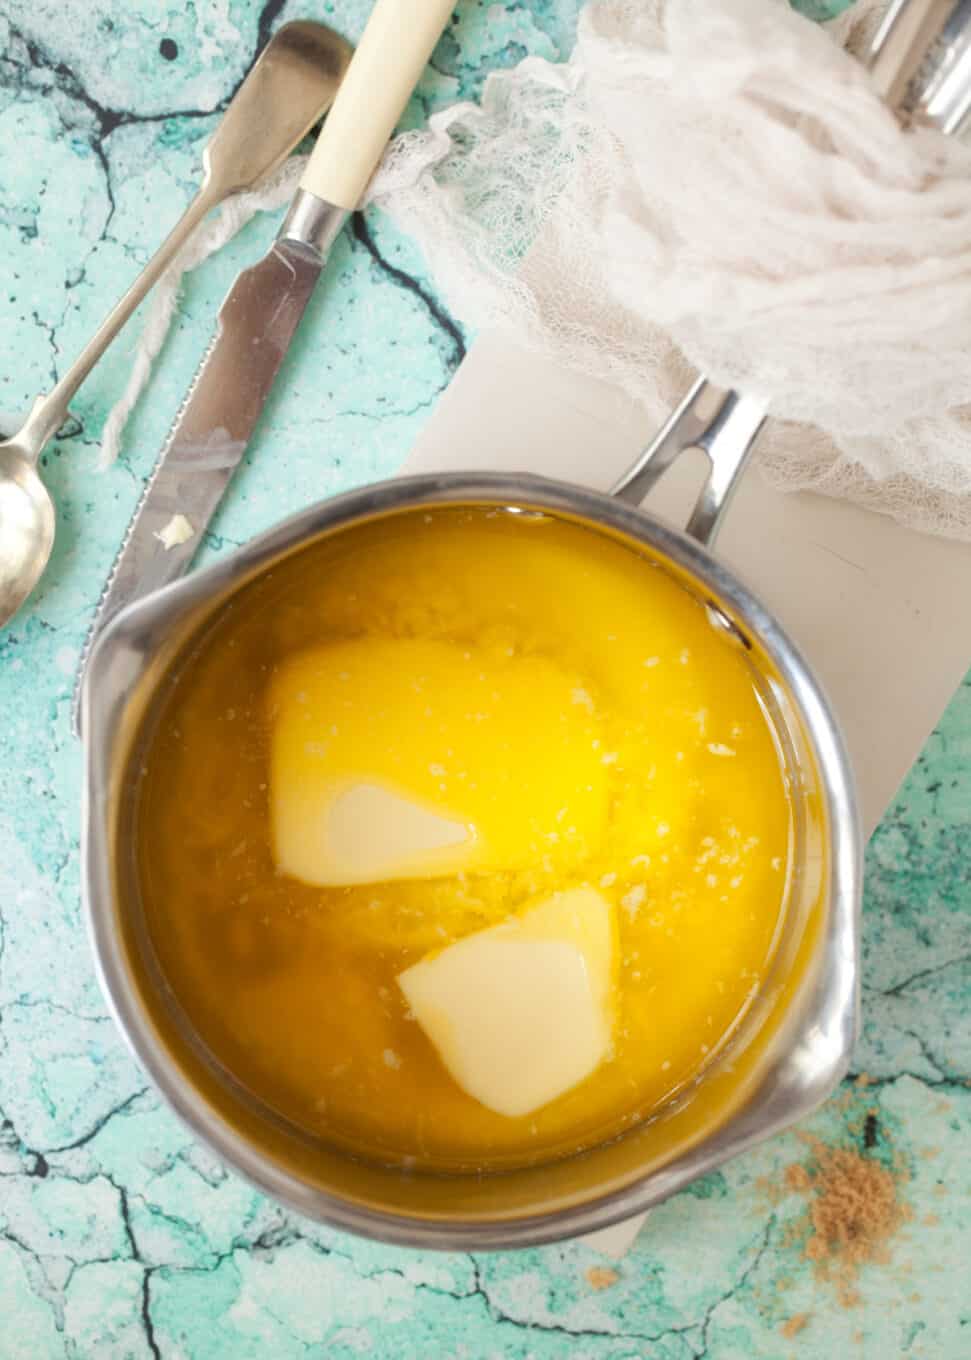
(520,1013)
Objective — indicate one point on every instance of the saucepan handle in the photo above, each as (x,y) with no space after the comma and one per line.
(724,425)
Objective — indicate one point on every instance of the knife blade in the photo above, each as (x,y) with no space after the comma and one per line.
(262,311)
(254,327)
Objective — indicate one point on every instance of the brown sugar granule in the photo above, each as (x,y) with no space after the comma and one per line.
(853,1213)
(601,1277)
(855,1207)
(843,1102)
(794,1325)
(770,1190)
(797,1177)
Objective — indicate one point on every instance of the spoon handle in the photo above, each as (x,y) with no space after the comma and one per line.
(50,412)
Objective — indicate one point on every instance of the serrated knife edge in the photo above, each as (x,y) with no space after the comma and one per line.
(102,609)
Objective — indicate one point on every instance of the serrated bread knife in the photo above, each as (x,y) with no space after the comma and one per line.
(262,311)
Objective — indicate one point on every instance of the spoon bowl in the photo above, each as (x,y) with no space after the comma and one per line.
(26,527)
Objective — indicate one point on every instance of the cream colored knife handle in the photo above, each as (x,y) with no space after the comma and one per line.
(389,59)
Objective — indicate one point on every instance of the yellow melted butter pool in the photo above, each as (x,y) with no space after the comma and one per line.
(504,753)
(606,692)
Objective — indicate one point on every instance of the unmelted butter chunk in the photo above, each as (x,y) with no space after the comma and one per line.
(521,1013)
(374,834)
(394,759)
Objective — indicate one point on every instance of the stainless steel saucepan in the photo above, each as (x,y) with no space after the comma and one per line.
(793,1046)
(796,1040)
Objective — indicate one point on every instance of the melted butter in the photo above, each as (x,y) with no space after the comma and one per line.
(293,984)
(410,758)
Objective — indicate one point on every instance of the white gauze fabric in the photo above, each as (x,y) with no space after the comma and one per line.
(717,187)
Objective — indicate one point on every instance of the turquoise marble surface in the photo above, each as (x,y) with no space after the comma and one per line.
(119,1235)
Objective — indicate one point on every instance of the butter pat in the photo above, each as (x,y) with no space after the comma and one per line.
(175,532)
(521,1013)
(372,834)
(408,758)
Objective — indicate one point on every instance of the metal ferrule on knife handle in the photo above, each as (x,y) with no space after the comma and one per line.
(313,222)
(263,309)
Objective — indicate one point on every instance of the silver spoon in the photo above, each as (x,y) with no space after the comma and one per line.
(286,92)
